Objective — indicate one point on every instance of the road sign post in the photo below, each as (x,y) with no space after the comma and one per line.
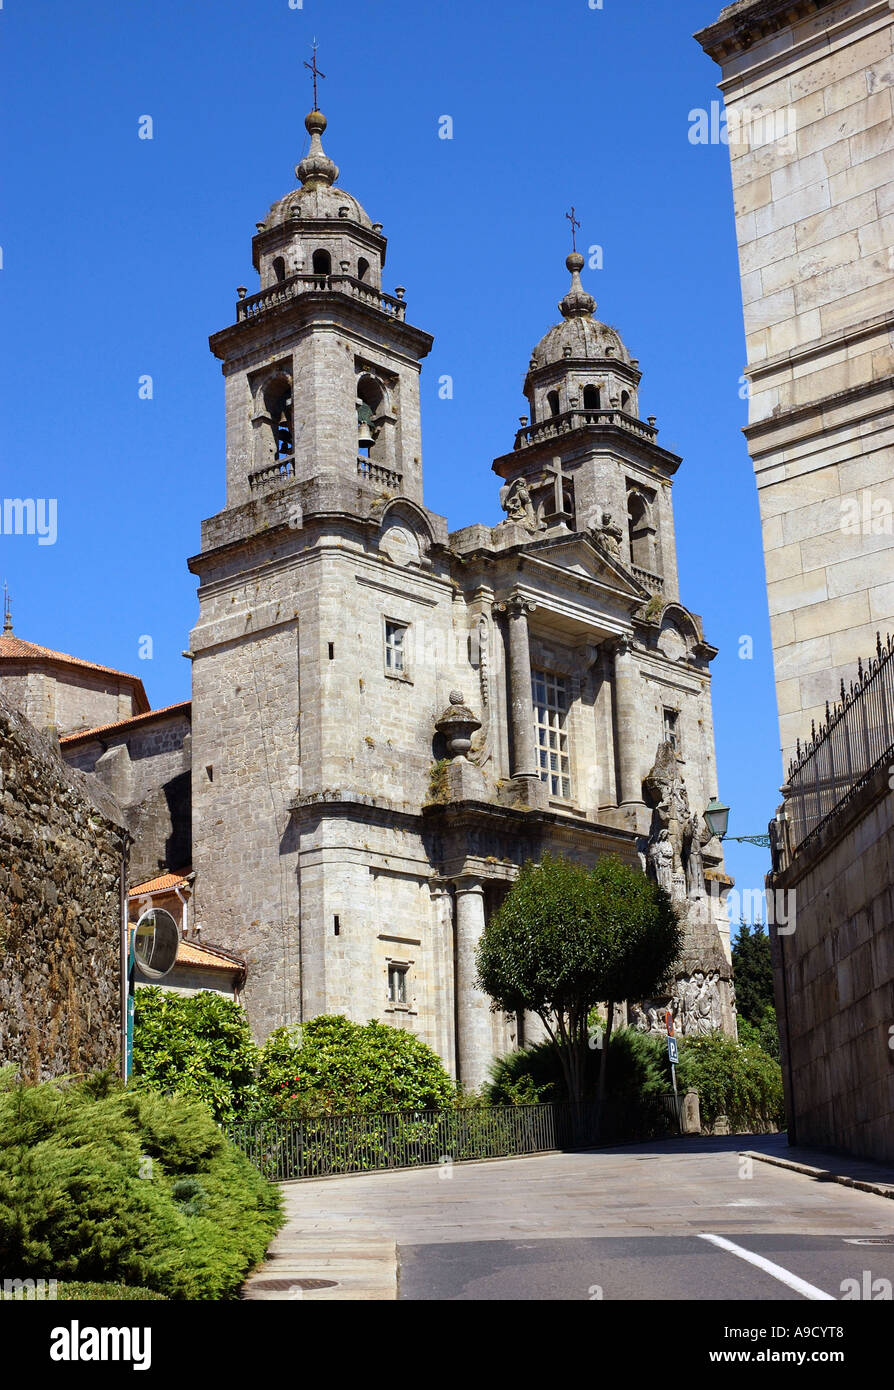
(673,1057)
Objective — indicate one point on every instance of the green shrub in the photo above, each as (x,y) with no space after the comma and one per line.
(637,1068)
(101,1184)
(199,1045)
(736,1079)
(72,1291)
(330,1066)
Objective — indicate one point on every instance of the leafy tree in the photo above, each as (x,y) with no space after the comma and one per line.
(198,1045)
(566,938)
(331,1066)
(752,971)
(764,1034)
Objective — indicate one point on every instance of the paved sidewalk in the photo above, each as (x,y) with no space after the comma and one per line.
(824,1165)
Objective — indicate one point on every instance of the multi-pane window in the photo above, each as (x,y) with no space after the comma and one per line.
(396,647)
(397,984)
(550,721)
(672,728)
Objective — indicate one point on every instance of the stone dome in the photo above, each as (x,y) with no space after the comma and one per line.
(317,197)
(586,337)
(320,201)
(579,334)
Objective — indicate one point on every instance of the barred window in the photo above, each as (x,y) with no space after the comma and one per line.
(550,719)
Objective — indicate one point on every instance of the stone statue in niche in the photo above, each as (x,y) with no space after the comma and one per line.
(515,499)
(605,534)
(665,792)
(660,860)
(695,836)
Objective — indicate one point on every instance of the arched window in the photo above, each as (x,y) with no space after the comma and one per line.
(273,421)
(552,401)
(362,269)
(279,268)
(370,405)
(641,532)
(625,402)
(591,398)
(322,263)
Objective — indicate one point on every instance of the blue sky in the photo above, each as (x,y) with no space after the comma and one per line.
(121,255)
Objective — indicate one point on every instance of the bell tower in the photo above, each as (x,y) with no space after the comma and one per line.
(321,366)
(583,455)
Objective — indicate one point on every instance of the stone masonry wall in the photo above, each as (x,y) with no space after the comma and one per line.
(61,846)
(835,983)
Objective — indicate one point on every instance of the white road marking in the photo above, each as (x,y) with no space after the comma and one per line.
(783,1275)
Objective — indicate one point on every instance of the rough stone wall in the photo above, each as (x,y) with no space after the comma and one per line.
(61,848)
(148,771)
(834,980)
(814,222)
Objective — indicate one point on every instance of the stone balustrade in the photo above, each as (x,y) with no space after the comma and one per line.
(653,582)
(377,473)
(280,471)
(309,282)
(555,425)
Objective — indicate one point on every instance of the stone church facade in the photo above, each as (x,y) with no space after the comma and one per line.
(388,717)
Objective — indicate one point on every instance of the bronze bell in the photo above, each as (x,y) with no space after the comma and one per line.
(365,436)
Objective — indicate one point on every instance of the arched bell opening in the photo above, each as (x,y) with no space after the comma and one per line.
(272,421)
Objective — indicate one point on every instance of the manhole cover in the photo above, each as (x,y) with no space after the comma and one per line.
(283,1285)
(870,1240)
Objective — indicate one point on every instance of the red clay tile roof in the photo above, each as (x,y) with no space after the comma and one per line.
(210,957)
(164,883)
(13,648)
(122,725)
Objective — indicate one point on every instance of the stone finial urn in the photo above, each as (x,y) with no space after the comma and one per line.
(457,724)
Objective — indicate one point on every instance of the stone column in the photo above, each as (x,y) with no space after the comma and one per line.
(524,748)
(627,695)
(474,1028)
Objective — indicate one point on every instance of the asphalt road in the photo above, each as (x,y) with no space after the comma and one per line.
(665,1268)
(682,1219)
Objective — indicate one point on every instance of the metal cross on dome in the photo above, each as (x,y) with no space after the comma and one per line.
(574,226)
(312,67)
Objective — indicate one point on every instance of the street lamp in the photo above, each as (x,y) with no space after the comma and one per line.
(717,817)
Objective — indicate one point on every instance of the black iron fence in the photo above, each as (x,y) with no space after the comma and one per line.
(363,1143)
(856,738)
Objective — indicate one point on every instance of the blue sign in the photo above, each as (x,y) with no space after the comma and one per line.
(672,1055)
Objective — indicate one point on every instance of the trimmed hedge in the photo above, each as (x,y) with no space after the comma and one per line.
(99,1184)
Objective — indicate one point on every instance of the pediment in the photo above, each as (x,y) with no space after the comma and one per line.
(582,559)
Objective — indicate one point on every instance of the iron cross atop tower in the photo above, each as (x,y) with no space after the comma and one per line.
(312,67)
(570,215)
